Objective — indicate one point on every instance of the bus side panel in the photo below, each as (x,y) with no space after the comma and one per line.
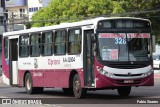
(56,78)
(37,77)
(5,66)
(21,77)
(49,78)
(81,75)
(60,78)
(46,78)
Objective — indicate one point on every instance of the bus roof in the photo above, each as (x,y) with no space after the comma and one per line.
(66,25)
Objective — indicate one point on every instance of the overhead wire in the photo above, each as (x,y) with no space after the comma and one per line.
(109,15)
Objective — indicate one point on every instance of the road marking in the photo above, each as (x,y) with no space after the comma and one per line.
(3,97)
(50,105)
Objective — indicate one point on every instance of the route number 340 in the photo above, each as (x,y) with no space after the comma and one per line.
(120,41)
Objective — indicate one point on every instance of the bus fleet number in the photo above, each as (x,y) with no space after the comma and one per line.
(69,59)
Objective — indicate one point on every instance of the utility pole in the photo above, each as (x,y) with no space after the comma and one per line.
(5,16)
(12,21)
(5,20)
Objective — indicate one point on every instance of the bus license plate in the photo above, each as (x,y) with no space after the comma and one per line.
(128,81)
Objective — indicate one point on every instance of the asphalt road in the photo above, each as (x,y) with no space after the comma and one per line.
(143,96)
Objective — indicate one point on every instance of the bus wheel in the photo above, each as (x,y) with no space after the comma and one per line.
(124,91)
(68,91)
(77,90)
(29,84)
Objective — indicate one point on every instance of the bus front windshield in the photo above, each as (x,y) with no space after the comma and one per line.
(124,46)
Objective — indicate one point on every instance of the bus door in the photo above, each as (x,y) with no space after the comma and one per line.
(13,60)
(88,58)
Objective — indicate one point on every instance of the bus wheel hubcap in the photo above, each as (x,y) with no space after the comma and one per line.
(77,86)
(28,84)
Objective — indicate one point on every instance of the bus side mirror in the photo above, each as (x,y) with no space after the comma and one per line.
(153,43)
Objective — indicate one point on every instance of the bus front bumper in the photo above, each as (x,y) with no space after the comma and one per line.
(104,82)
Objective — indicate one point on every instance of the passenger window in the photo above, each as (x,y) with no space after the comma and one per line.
(47,39)
(35,45)
(24,46)
(74,42)
(60,42)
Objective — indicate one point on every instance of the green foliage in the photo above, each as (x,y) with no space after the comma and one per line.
(38,16)
(65,9)
(78,9)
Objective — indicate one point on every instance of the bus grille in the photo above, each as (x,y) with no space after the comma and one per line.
(127,66)
(126,75)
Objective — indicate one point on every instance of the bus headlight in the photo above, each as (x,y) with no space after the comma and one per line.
(148,73)
(105,73)
(108,74)
(101,71)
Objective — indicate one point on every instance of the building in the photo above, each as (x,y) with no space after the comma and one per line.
(33,6)
(2,19)
(17,13)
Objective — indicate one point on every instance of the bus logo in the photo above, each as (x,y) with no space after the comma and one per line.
(35,63)
(129,74)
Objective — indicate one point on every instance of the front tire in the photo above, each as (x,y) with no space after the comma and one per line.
(29,85)
(78,91)
(124,91)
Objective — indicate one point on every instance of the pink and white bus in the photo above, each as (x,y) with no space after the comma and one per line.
(100,53)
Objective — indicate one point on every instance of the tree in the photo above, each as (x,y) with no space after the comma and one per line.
(38,16)
(79,9)
(144,5)
(71,9)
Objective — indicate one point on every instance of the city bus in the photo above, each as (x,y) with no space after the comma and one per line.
(89,55)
